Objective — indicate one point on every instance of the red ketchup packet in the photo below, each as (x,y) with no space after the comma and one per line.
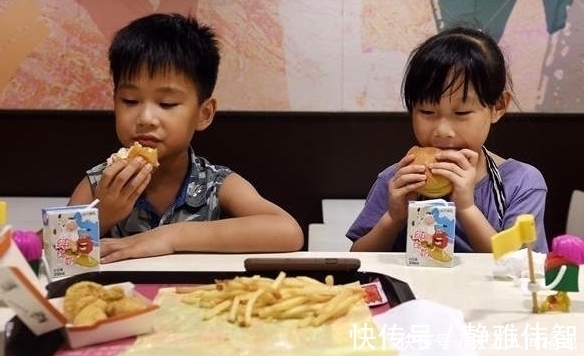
(374,294)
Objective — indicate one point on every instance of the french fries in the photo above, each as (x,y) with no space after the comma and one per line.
(304,298)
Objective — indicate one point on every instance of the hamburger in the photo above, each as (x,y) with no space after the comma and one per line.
(148,153)
(436,186)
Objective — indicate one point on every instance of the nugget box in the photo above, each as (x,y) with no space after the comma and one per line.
(430,233)
(23,292)
(70,240)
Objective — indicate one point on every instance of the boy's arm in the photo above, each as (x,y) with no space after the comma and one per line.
(252,224)
(82,194)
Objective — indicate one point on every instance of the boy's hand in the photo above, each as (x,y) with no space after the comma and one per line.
(403,185)
(120,186)
(145,244)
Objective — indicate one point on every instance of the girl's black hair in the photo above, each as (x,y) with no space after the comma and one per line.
(457,57)
(164,42)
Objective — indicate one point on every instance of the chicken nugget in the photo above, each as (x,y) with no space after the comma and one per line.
(76,292)
(112,293)
(125,305)
(91,313)
(78,304)
(83,288)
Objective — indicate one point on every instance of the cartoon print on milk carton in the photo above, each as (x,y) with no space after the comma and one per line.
(424,232)
(71,240)
(74,244)
(66,244)
(430,233)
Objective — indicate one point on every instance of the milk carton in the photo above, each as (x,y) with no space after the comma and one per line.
(70,240)
(430,233)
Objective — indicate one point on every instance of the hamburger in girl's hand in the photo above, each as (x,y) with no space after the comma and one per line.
(436,186)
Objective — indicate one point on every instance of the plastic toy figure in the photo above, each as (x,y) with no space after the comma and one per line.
(562,266)
(31,246)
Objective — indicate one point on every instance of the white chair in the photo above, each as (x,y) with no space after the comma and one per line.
(575,221)
(328,238)
(341,211)
(337,216)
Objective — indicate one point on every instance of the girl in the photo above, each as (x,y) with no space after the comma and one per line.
(455,87)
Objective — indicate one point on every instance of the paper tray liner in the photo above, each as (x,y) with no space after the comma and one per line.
(19,340)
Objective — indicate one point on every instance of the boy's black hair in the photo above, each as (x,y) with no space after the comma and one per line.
(163,42)
(455,57)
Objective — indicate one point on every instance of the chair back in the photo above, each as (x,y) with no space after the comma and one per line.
(575,220)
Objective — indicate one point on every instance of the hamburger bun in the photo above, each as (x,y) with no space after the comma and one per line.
(436,186)
(149,154)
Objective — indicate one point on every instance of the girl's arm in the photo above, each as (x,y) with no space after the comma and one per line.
(388,199)
(381,237)
(478,229)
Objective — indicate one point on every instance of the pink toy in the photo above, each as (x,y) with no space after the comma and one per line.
(30,245)
(562,266)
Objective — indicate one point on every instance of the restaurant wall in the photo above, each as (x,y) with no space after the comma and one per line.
(350,53)
(294,159)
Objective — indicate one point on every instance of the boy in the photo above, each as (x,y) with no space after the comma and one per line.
(164,69)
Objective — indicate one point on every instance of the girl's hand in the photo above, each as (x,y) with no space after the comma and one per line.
(120,186)
(460,167)
(402,186)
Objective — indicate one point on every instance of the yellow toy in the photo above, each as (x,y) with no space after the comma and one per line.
(511,239)
(2,212)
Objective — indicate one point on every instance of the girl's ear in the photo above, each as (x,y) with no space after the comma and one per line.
(501,106)
(206,114)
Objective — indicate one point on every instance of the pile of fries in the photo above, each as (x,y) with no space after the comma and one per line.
(310,301)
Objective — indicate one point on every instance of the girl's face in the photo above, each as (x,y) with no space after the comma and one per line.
(454,123)
(162,112)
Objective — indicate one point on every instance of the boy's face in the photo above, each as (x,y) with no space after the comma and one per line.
(162,111)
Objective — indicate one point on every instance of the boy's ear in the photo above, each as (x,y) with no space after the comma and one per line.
(206,114)
(501,106)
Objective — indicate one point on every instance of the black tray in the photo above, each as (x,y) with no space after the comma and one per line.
(19,340)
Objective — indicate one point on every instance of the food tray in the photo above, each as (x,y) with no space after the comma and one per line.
(19,340)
